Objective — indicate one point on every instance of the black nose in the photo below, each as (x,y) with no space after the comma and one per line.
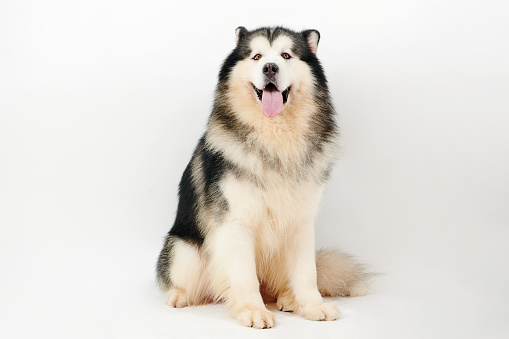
(270,69)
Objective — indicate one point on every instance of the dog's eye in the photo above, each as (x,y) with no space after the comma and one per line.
(257,57)
(286,56)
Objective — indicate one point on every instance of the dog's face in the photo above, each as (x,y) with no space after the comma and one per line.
(272,67)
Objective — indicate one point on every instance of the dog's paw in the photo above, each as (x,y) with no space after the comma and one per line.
(177,298)
(286,302)
(256,317)
(326,311)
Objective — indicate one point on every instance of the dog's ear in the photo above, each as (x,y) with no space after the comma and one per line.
(312,36)
(240,32)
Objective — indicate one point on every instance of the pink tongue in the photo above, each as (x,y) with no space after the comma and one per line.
(272,101)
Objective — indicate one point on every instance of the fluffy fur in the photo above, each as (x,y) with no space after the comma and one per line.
(244,229)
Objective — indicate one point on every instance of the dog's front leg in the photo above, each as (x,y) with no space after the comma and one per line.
(307,301)
(233,258)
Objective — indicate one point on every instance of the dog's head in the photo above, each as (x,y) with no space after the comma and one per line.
(272,69)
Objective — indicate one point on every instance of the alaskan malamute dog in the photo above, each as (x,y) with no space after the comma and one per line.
(244,230)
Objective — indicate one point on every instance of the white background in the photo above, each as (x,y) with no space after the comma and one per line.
(102,102)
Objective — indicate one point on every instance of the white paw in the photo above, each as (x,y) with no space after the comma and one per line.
(177,298)
(256,317)
(286,302)
(326,311)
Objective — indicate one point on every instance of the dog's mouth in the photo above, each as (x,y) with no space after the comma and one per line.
(272,99)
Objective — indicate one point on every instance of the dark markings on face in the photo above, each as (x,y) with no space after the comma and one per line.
(324,127)
(243,50)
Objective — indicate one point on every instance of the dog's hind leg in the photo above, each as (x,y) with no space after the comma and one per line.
(181,273)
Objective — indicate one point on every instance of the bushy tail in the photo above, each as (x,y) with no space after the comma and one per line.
(339,275)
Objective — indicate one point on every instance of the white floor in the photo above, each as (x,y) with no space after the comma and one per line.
(88,287)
